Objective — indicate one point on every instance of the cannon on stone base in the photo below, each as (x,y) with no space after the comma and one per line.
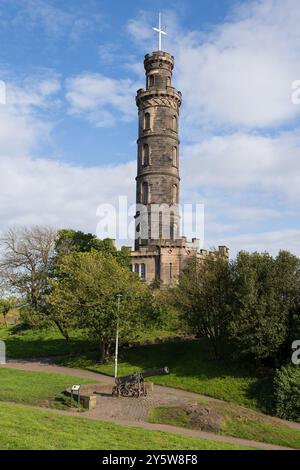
(134,385)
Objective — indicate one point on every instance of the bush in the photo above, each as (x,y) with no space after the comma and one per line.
(287,393)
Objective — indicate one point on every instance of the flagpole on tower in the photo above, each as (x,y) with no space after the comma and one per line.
(160,32)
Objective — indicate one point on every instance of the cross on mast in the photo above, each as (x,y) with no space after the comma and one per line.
(160,32)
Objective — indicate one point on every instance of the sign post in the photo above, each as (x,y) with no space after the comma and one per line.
(74,389)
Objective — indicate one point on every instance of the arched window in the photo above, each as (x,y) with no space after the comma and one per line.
(168,81)
(146,155)
(174,123)
(144,193)
(147,121)
(174,230)
(175,156)
(143,272)
(152,80)
(160,226)
(174,193)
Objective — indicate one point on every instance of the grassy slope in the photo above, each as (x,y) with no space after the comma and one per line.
(50,342)
(191,369)
(191,366)
(33,387)
(41,343)
(236,421)
(26,428)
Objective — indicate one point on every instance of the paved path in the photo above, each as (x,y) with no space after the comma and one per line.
(134,412)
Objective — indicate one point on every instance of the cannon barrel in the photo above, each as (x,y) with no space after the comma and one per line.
(141,375)
(153,372)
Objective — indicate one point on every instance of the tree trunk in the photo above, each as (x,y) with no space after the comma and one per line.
(102,352)
(214,347)
(63,332)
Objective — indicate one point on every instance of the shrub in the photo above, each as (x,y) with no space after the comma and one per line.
(287,393)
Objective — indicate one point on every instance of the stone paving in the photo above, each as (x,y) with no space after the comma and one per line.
(137,409)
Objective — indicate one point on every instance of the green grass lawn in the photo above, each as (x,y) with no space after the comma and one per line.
(192,369)
(50,342)
(34,387)
(236,421)
(27,428)
(191,366)
(41,343)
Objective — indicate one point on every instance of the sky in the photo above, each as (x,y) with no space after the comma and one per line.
(68,129)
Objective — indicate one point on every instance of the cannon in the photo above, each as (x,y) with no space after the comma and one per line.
(134,385)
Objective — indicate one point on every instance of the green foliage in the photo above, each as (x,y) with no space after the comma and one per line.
(287,393)
(264,294)
(72,241)
(6,305)
(86,294)
(202,296)
(27,428)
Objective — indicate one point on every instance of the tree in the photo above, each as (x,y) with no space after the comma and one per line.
(264,293)
(287,393)
(27,254)
(202,295)
(6,305)
(288,286)
(86,294)
(72,241)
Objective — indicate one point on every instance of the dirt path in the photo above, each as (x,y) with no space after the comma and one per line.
(133,412)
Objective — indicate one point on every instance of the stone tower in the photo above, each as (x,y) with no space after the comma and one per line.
(160,252)
(157,182)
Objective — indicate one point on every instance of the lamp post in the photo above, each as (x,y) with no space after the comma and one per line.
(117,336)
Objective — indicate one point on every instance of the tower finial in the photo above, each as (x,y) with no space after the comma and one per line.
(160,32)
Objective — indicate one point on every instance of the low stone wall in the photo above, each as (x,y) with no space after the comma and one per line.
(88,393)
(88,398)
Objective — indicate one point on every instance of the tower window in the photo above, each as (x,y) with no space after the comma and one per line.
(145,193)
(136,268)
(147,121)
(174,230)
(174,123)
(171,270)
(175,193)
(146,155)
(143,272)
(175,156)
(152,80)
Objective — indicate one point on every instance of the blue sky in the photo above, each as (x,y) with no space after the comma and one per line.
(68,130)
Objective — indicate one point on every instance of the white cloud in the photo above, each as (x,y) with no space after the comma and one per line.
(243,162)
(238,74)
(45,191)
(48,192)
(102,100)
(243,70)
(271,241)
(56,21)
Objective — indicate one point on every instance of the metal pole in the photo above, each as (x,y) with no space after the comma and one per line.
(159,34)
(117,337)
